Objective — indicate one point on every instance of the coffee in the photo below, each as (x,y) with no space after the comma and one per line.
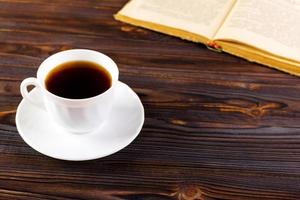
(78,80)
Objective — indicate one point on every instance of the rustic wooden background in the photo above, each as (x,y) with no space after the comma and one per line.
(217,127)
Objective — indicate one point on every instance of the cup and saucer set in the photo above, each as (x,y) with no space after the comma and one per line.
(78,129)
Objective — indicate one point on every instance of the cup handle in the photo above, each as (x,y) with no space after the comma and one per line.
(25,94)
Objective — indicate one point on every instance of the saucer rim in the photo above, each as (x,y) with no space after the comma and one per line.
(115,150)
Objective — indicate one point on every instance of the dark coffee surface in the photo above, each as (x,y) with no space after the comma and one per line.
(78,80)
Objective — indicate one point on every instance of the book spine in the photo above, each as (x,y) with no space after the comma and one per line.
(211,45)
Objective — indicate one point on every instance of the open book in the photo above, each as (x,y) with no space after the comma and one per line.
(263,31)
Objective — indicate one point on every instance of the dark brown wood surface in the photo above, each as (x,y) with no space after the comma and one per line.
(217,127)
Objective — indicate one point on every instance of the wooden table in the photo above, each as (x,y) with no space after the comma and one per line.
(217,127)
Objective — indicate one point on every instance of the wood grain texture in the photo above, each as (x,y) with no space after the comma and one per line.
(217,127)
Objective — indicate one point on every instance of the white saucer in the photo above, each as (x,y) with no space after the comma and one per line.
(122,126)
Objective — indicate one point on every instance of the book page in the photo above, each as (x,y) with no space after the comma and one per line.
(270,25)
(201,17)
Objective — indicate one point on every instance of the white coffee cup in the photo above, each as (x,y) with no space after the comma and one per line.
(74,115)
